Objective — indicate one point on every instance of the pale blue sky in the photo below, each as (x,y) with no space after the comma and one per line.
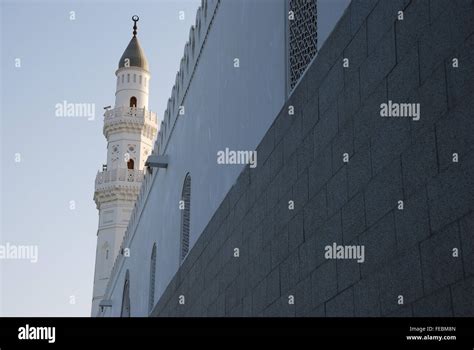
(73,61)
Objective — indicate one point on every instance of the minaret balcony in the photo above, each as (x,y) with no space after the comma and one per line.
(126,176)
(118,183)
(130,119)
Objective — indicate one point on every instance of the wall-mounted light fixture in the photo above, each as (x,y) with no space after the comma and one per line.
(157,161)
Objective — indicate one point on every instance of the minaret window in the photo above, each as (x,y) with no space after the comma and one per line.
(133,101)
(128,78)
(185,216)
(134,78)
(140,79)
(130,164)
(145,82)
(122,78)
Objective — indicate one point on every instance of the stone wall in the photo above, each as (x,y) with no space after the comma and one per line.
(419,258)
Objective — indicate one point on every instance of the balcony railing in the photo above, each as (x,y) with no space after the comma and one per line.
(119,175)
(130,112)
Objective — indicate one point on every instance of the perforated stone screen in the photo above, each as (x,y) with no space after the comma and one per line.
(302,37)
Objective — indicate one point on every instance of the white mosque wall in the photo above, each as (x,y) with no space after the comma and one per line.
(224,106)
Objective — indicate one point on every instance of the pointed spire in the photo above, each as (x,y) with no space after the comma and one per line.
(134,54)
(135,19)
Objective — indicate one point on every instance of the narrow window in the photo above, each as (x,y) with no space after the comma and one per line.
(134,78)
(151,299)
(122,78)
(140,79)
(128,78)
(130,164)
(185,216)
(133,101)
(126,297)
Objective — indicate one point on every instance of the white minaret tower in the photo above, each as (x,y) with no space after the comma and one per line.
(130,129)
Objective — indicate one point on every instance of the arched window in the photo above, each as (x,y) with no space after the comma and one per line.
(185,207)
(126,297)
(133,101)
(151,297)
(130,164)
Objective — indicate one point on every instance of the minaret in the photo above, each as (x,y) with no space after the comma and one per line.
(130,129)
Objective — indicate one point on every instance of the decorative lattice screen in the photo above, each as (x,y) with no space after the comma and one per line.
(302,37)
